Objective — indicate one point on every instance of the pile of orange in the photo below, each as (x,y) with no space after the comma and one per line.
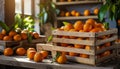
(76,13)
(15,36)
(90,25)
(32,54)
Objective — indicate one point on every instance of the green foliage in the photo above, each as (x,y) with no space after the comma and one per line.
(112,7)
(65,23)
(106,25)
(4,26)
(24,23)
(47,12)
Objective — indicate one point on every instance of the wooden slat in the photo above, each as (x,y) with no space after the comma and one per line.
(113,38)
(73,41)
(76,18)
(77,34)
(105,49)
(105,58)
(111,31)
(66,49)
(77,2)
(81,60)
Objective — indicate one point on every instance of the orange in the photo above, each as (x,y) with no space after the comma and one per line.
(7,38)
(36,35)
(87,47)
(77,14)
(73,12)
(78,25)
(12,33)
(62,13)
(38,57)
(24,36)
(8,51)
(87,27)
(86,12)
(1,36)
(91,22)
(17,37)
(69,0)
(72,54)
(44,54)
(96,30)
(20,51)
(106,53)
(107,44)
(67,14)
(61,59)
(68,26)
(96,11)
(79,46)
(31,54)
(84,55)
(30,49)
(3,32)
(61,0)
(118,22)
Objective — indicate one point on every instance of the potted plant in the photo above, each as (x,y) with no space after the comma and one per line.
(112,7)
(47,14)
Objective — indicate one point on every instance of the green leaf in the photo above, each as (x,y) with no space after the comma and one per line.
(102,12)
(4,26)
(56,56)
(49,38)
(106,25)
(65,23)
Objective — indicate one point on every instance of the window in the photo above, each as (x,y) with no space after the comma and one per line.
(28,7)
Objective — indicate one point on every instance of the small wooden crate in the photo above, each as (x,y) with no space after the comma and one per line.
(93,42)
(5,44)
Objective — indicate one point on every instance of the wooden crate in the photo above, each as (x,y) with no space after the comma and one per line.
(117,50)
(93,42)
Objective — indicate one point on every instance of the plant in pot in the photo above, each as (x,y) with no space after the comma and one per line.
(112,7)
(47,15)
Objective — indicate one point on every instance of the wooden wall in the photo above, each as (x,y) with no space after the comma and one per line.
(9,11)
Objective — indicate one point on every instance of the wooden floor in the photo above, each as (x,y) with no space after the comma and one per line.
(21,62)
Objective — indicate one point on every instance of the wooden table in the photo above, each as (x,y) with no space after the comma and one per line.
(22,61)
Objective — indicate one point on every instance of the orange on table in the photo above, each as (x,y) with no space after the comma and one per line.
(68,26)
(20,51)
(61,59)
(17,37)
(78,25)
(24,36)
(73,12)
(91,22)
(31,54)
(8,51)
(96,30)
(86,12)
(38,57)
(44,53)
(96,11)
(30,49)
(7,38)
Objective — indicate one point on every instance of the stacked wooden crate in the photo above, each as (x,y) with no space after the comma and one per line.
(96,52)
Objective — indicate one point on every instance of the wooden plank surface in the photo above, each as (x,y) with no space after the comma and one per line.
(22,61)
